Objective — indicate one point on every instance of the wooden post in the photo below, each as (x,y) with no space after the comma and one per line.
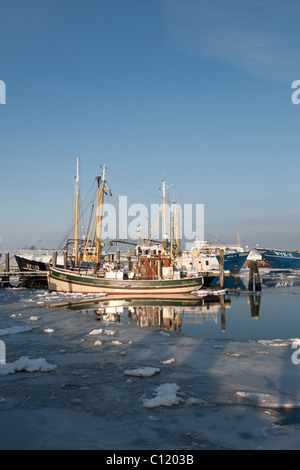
(251,275)
(65,260)
(222,269)
(54,258)
(257,277)
(5,279)
(7,262)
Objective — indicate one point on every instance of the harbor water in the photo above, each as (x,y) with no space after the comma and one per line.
(233,313)
(81,371)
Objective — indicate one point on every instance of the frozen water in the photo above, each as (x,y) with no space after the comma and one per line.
(65,391)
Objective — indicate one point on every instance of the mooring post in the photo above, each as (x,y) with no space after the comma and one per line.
(54,258)
(251,275)
(65,260)
(7,262)
(221,262)
(257,277)
(5,279)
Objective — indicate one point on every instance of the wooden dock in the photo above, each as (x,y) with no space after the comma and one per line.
(16,278)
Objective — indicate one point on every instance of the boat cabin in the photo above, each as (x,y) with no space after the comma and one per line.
(152,261)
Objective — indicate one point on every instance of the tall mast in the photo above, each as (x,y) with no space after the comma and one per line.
(164,234)
(238,238)
(172,230)
(101,190)
(177,228)
(76,212)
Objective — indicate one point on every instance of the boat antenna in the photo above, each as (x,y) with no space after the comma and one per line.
(101,191)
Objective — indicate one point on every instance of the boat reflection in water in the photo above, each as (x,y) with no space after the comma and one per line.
(168,313)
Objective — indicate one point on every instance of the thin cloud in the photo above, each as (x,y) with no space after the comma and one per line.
(258,36)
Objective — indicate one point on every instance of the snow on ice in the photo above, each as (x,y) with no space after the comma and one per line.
(142,371)
(165,396)
(28,365)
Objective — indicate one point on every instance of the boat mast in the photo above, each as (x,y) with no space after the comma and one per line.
(177,228)
(238,238)
(164,235)
(172,230)
(100,213)
(76,213)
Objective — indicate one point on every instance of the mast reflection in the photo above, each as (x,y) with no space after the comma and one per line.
(167,313)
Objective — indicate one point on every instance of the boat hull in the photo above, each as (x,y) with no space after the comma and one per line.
(60,280)
(34,264)
(280,259)
(233,262)
(27,264)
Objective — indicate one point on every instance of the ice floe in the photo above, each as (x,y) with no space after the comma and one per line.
(14,329)
(96,332)
(142,371)
(166,395)
(27,365)
(168,361)
(49,330)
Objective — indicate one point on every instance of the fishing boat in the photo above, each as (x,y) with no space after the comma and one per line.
(40,260)
(62,280)
(205,256)
(280,259)
(154,273)
(33,261)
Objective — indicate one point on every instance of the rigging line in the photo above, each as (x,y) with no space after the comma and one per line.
(205,231)
(71,225)
(44,213)
(155,195)
(132,184)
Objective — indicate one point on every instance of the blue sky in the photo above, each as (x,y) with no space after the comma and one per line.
(196,92)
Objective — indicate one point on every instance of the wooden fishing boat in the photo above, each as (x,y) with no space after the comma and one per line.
(63,280)
(154,274)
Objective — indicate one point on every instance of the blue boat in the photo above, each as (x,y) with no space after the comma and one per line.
(233,261)
(280,259)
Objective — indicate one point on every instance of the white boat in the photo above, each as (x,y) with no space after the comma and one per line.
(205,256)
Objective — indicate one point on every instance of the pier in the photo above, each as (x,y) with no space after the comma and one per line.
(254,277)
